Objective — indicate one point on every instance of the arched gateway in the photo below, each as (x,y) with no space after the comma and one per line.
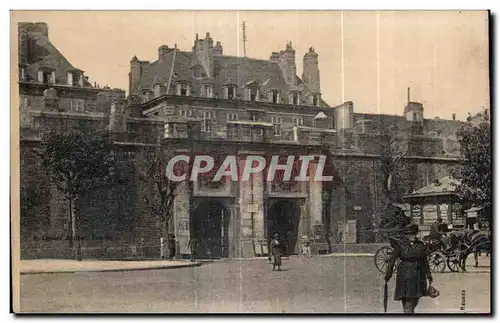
(283,218)
(209,225)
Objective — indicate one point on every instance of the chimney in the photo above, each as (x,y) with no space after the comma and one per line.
(310,74)
(454,116)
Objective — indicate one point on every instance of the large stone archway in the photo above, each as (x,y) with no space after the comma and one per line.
(283,217)
(210,227)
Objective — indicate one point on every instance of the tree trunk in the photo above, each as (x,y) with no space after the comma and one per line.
(74,236)
(69,230)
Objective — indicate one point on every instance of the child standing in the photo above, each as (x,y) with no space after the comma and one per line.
(306,247)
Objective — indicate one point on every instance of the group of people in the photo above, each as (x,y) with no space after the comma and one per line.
(414,278)
(276,248)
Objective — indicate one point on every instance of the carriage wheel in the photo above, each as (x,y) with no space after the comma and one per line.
(453,262)
(382,257)
(437,262)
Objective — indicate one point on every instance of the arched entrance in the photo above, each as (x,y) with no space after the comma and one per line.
(210,224)
(283,218)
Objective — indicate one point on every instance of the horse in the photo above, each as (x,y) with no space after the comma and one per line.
(471,242)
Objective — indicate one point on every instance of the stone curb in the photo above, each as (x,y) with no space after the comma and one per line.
(347,254)
(62,271)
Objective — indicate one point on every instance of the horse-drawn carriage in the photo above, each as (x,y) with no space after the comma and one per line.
(453,254)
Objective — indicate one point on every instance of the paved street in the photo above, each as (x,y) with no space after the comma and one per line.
(317,285)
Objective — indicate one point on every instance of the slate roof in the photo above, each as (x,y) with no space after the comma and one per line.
(443,128)
(227,70)
(444,184)
(47,55)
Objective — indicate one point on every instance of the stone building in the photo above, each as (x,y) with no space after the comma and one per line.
(202,101)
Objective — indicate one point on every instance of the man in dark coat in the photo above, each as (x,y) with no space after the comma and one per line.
(413,270)
(276,250)
(171,247)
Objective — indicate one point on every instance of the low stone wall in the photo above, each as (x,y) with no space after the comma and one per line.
(357,247)
(108,250)
(104,250)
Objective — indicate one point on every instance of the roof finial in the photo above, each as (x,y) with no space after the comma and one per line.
(408,94)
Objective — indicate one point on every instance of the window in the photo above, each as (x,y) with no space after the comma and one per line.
(298,121)
(185,113)
(197,73)
(295,98)
(207,89)
(230,92)
(77,105)
(276,121)
(257,131)
(232,116)
(207,121)
(254,117)
(253,94)
(415,118)
(44,77)
(315,100)
(183,89)
(70,79)
(274,96)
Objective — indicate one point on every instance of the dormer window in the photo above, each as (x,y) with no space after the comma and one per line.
(252,94)
(230,92)
(46,76)
(147,95)
(274,96)
(197,73)
(294,98)
(70,79)
(183,89)
(315,100)
(207,90)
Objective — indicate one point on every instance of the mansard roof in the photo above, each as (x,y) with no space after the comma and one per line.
(227,70)
(43,54)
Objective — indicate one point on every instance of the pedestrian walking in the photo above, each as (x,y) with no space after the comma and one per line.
(171,247)
(193,248)
(276,250)
(413,271)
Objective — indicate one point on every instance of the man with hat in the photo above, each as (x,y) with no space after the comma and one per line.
(276,250)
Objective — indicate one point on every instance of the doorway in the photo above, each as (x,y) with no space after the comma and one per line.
(283,218)
(210,226)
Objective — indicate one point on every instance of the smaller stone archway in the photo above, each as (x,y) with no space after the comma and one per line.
(210,227)
(283,218)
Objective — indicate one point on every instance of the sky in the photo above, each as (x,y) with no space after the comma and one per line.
(367,57)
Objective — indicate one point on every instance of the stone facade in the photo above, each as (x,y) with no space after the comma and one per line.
(201,101)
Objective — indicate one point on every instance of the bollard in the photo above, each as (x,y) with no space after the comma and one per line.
(162,248)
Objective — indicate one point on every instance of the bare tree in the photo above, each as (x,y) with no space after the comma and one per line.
(151,169)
